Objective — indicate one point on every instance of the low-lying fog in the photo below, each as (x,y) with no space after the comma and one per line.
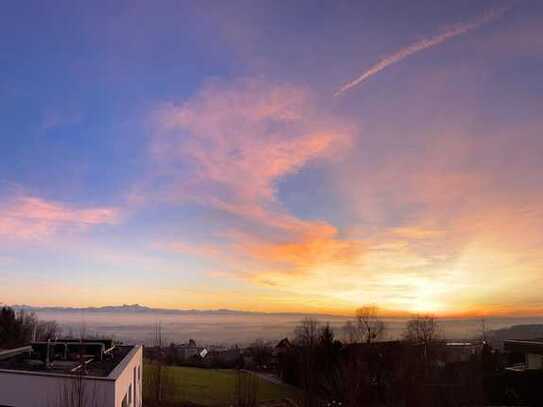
(228,329)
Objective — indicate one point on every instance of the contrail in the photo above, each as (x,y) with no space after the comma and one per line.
(422,45)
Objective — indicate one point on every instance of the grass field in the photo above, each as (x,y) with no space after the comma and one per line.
(211,387)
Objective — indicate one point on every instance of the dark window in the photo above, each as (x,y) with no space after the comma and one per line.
(125,401)
(134,384)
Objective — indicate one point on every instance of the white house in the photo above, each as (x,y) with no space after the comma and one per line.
(54,374)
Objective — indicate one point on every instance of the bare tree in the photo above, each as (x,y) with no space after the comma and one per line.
(246,389)
(483,330)
(46,330)
(367,327)
(261,353)
(423,329)
(158,374)
(307,333)
(158,380)
(307,336)
(78,392)
(349,332)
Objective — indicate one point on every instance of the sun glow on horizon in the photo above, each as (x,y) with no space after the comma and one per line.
(208,165)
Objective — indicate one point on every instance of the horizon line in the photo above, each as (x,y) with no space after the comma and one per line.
(388,314)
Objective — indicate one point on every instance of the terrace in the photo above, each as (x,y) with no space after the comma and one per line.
(94,358)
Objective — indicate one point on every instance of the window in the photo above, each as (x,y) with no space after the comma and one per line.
(130,394)
(125,402)
(135,385)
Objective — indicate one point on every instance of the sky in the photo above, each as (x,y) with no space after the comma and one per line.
(307,156)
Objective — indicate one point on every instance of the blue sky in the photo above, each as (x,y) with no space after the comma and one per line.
(193,154)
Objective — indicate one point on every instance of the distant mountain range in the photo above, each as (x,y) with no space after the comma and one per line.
(137,308)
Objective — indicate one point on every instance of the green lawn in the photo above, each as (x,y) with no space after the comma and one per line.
(209,387)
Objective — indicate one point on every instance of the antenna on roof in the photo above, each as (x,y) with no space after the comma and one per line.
(483,329)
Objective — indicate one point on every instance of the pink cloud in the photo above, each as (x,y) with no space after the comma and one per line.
(30,217)
(236,141)
(228,147)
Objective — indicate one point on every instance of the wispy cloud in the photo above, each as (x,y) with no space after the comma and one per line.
(230,144)
(320,245)
(460,215)
(28,217)
(421,45)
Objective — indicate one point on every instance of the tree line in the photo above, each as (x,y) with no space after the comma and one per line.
(18,328)
(362,369)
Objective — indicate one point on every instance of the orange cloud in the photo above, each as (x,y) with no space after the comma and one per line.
(319,245)
(30,217)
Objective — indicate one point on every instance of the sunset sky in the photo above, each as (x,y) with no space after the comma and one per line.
(273,155)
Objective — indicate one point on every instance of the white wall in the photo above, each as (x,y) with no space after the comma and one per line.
(42,390)
(534,361)
(124,376)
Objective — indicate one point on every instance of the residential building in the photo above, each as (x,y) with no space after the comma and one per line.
(50,374)
(524,354)
(190,350)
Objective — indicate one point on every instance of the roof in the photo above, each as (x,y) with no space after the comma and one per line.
(90,359)
(524,346)
(283,343)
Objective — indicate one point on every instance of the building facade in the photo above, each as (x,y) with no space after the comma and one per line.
(524,354)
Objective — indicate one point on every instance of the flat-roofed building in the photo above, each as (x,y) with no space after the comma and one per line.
(89,373)
(525,354)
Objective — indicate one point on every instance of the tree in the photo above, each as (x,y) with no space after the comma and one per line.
(75,391)
(19,328)
(261,353)
(46,330)
(10,329)
(157,378)
(307,333)
(423,329)
(370,326)
(246,389)
(349,332)
(307,336)
(327,336)
(329,356)
(367,327)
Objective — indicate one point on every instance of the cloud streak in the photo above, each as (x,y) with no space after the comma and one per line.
(421,45)
(33,218)
(237,141)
